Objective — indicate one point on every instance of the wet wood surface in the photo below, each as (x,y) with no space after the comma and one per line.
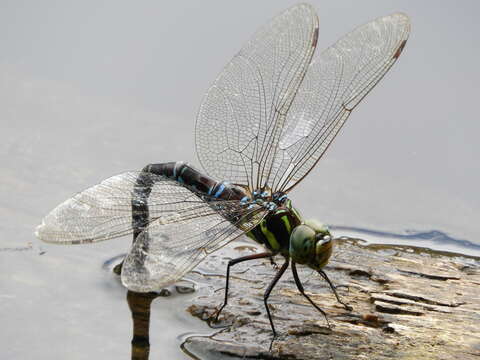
(408,303)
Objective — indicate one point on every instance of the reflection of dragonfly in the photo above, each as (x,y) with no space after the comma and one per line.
(263,125)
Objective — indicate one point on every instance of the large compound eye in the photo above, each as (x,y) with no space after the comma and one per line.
(323,250)
(302,244)
(323,244)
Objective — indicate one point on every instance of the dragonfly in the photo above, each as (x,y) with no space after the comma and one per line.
(263,125)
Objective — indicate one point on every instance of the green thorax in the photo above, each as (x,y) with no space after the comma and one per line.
(274,230)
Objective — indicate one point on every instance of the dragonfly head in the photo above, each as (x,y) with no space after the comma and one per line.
(311,244)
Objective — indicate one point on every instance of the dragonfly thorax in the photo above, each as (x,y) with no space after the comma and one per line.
(274,230)
(266,199)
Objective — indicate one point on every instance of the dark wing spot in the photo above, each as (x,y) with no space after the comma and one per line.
(315,38)
(399,50)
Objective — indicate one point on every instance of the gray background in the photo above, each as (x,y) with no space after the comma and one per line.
(94,88)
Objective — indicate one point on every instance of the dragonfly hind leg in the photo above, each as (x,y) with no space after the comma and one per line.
(277,277)
(227,281)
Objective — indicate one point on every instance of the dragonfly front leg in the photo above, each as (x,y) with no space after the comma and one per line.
(302,291)
(324,275)
(233,262)
(274,264)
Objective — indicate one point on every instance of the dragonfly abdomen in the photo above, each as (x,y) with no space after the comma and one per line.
(195,180)
(182,173)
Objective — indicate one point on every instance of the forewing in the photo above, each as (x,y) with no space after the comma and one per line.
(104,211)
(241,118)
(173,245)
(336,81)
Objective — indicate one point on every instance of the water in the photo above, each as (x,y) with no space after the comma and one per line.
(89,90)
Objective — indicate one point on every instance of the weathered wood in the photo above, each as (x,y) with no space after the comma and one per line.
(408,303)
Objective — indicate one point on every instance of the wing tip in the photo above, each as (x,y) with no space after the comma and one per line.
(39,232)
(303,5)
(402,15)
(402,19)
(43,233)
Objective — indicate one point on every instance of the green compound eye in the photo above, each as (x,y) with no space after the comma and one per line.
(302,244)
(323,251)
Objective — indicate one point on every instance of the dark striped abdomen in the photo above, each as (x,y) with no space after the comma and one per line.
(184,174)
(195,180)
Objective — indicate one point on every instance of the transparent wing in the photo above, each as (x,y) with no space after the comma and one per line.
(335,83)
(104,211)
(173,245)
(99,213)
(240,121)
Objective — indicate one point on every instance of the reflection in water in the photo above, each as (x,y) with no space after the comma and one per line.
(139,304)
(140,308)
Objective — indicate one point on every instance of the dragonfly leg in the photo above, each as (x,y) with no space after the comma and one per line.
(302,291)
(274,264)
(277,277)
(231,263)
(324,275)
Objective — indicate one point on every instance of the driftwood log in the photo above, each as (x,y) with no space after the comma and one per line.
(408,303)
